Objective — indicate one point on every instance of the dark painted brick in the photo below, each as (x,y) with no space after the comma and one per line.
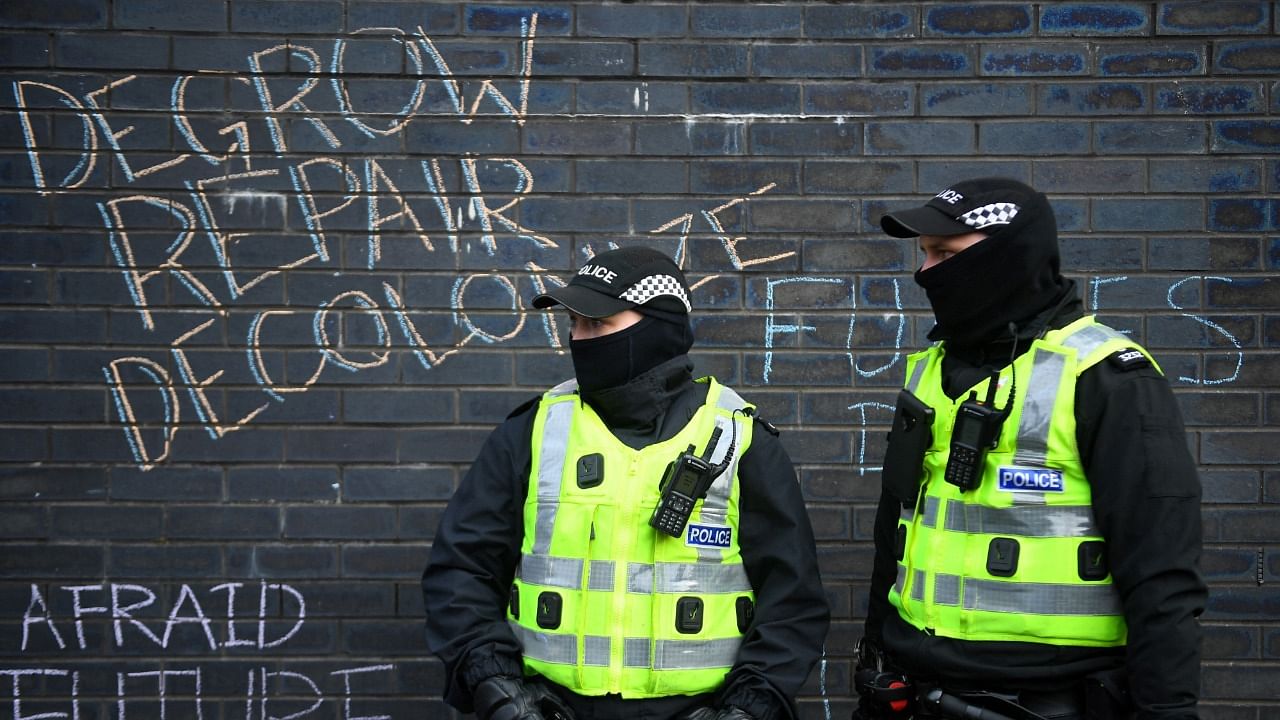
(1210,99)
(932,138)
(817,61)
(1245,294)
(1178,59)
(700,60)
(584,58)
(1095,19)
(299,16)
(1228,486)
(1231,448)
(978,20)
(954,100)
(398,406)
(1089,176)
(381,484)
(1147,215)
(1033,138)
(824,139)
(727,176)
(383,561)
(508,20)
(339,523)
(916,62)
(662,177)
(1093,99)
(19,49)
(159,15)
(207,522)
(1111,254)
(578,138)
(745,98)
(750,21)
(1205,176)
(69,14)
(857,99)
(639,21)
(1246,136)
(1220,18)
(709,137)
(858,177)
(1242,215)
(936,175)
(786,215)
(452,444)
(1217,253)
(163,561)
(1219,409)
(860,21)
(1039,59)
(435,18)
(1154,137)
(1246,57)
(625,98)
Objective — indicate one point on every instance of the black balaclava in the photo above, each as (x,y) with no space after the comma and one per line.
(1012,275)
(616,359)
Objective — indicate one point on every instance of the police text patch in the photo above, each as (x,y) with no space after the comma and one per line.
(1014,478)
(717,536)
(1130,359)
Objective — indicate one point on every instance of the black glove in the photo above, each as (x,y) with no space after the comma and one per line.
(731,712)
(507,698)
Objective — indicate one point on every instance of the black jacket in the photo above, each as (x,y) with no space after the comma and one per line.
(1146,500)
(477,547)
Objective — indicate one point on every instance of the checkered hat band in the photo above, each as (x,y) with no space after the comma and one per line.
(987,215)
(648,288)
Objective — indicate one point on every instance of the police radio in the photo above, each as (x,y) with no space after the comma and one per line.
(685,482)
(976,431)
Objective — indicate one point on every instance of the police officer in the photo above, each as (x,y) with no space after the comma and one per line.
(1038,533)
(564,582)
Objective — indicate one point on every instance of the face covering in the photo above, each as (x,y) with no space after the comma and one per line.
(617,358)
(1010,276)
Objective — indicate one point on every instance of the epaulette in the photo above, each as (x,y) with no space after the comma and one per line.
(524,406)
(1128,359)
(768,426)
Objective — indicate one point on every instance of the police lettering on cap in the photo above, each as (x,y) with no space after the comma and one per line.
(619,280)
(983,204)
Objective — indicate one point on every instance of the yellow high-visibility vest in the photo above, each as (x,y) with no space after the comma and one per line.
(602,602)
(1020,557)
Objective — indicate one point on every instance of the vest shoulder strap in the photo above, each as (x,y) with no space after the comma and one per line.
(1093,342)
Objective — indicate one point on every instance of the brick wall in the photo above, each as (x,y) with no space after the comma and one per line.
(265,269)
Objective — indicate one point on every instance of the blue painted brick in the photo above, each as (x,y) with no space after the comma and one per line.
(558,215)
(1095,19)
(68,14)
(747,21)
(1205,176)
(578,138)
(748,98)
(937,175)
(725,177)
(978,20)
(707,137)
(860,21)
(1147,215)
(1255,293)
(299,16)
(1154,137)
(1089,176)
(823,139)
(639,21)
(913,61)
(1072,214)
(956,100)
(436,19)
(1242,215)
(584,58)
(1033,138)
(631,98)
(1110,254)
(1246,57)
(1246,136)
(919,138)
(858,177)
(1216,254)
(1093,99)
(81,50)
(859,99)
(1039,59)
(1205,98)
(787,215)
(1180,59)
(1218,18)
(817,61)
(697,60)
(231,54)
(24,50)
(625,177)
(208,15)
(508,20)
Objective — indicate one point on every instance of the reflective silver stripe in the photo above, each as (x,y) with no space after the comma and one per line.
(1037,407)
(695,654)
(1067,521)
(946,589)
(917,585)
(567,387)
(555,441)
(930,517)
(917,372)
(701,578)
(907,513)
(1041,598)
(560,572)
(715,507)
(547,647)
(901,580)
(595,650)
(1090,337)
(635,652)
(601,575)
